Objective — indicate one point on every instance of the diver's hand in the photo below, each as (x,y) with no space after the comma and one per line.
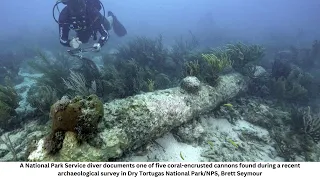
(75,43)
(97,47)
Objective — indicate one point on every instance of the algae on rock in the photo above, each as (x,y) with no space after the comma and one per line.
(81,116)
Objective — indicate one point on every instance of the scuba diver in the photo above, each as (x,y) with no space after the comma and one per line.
(84,17)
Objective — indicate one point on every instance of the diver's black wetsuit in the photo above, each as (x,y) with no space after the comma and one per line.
(85,27)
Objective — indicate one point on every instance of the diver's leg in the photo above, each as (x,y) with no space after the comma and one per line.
(110,21)
(107,22)
(115,24)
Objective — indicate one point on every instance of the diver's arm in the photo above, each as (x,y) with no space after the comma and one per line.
(104,34)
(64,35)
(64,28)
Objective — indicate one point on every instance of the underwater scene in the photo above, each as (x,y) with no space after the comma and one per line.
(221,81)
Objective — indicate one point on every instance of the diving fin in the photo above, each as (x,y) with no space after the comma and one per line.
(118,28)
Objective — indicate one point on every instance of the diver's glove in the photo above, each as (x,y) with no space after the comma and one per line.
(75,43)
(97,47)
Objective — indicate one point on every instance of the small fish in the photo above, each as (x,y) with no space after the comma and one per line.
(210,144)
(233,143)
(228,105)
(181,156)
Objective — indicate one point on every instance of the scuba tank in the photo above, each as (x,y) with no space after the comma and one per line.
(65,2)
